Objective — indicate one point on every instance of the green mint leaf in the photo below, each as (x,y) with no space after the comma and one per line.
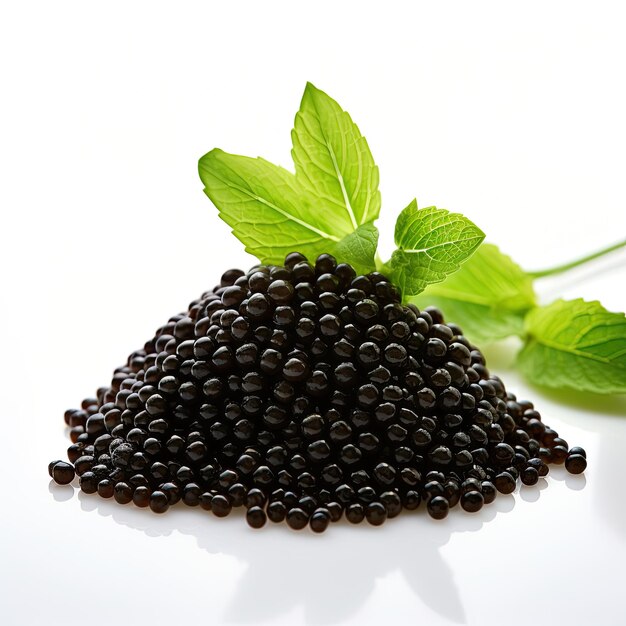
(488,297)
(333,162)
(576,344)
(432,243)
(359,248)
(264,205)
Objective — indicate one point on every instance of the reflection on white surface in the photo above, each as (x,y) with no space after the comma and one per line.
(61,493)
(308,568)
(305,568)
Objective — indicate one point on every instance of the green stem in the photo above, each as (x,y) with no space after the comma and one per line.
(568,266)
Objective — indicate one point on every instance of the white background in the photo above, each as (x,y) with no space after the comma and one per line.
(512,113)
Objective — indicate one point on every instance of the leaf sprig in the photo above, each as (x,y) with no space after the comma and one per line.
(330,205)
(567,344)
(331,202)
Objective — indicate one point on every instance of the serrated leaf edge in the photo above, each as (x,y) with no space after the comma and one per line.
(203,166)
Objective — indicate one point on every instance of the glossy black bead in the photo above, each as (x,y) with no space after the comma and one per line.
(297,518)
(172,491)
(375,513)
(159,502)
(62,473)
(320,519)
(489,491)
(106,488)
(256,517)
(276,511)
(392,502)
(433,489)
(529,475)
(123,493)
(451,492)
(220,505)
(438,507)
(472,501)
(141,496)
(411,499)
(191,494)
(295,370)
(559,454)
(575,463)
(366,311)
(504,483)
(578,450)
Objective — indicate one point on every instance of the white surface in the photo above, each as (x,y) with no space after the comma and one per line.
(512,114)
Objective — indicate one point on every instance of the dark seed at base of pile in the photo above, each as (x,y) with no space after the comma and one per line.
(62,472)
(302,392)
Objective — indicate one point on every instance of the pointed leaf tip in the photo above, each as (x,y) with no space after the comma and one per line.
(333,162)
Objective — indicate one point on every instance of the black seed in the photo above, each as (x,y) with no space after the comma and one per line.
(297,518)
(319,520)
(559,454)
(392,502)
(504,482)
(529,476)
(105,488)
(258,306)
(368,442)
(426,398)
(172,491)
(159,502)
(367,396)
(295,370)
(432,489)
(411,499)
(123,493)
(318,450)
(472,501)
(345,375)
(375,513)
(577,450)
(489,491)
(440,456)
(410,476)
(325,263)
(355,513)
(62,473)
(438,507)
(385,474)
(220,505)
(366,311)
(191,494)
(276,512)
(459,353)
(503,453)
(575,463)
(385,413)
(394,354)
(255,516)
(330,325)
(141,496)
(280,292)
(435,349)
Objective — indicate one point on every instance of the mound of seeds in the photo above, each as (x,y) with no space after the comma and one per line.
(304,392)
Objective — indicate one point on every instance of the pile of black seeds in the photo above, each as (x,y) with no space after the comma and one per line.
(303,392)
